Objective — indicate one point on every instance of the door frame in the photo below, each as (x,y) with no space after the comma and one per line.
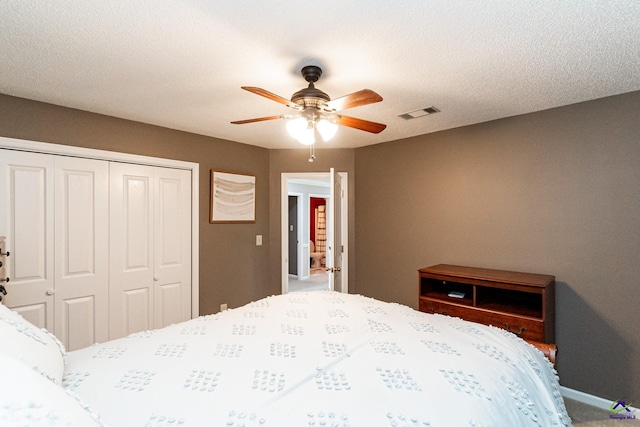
(327,197)
(284,216)
(91,153)
(299,266)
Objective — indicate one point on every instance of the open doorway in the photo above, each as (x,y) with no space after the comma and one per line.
(306,204)
(294,221)
(318,235)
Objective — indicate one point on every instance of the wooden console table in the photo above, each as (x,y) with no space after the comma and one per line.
(522,303)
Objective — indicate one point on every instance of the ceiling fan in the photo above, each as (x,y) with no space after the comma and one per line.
(316,111)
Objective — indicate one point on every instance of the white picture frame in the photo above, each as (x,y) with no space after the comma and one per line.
(233,197)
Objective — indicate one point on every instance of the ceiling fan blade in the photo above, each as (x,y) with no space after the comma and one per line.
(361,124)
(271,96)
(258,119)
(355,99)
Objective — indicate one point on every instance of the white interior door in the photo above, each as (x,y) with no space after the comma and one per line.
(81,251)
(334,233)
(26,219)
(341,221)
(131,249)
(172,246)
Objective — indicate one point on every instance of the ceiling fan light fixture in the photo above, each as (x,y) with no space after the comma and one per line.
(296,126)
(326,129)
(316,111)
(302,130)
(307,137)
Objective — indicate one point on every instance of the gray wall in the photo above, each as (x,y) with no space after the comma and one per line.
(554,192)
(232,268)
(282,161)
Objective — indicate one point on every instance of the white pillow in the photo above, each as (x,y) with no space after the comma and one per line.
(36,347)
(29,399)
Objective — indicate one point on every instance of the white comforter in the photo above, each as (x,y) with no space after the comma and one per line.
(318,359)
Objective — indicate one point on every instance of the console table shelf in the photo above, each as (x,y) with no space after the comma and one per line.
(522,303)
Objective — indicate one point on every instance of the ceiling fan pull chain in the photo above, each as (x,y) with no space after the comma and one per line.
(312,153)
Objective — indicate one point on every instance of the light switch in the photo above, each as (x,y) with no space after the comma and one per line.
(258,239)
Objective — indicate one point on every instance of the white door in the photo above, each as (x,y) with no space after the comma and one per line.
(172,246)
(54,214)
(81,251)
(131,249)
(339,179)
(150,273)
(334,233)
(26,219)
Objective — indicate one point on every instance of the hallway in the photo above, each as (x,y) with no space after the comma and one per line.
(315,282)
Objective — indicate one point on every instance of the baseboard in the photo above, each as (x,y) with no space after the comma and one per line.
(589,399)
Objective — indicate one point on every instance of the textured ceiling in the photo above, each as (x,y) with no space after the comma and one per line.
(180,64)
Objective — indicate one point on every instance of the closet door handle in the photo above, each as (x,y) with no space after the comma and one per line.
(50,292)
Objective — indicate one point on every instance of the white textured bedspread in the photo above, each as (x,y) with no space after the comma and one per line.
(318,359)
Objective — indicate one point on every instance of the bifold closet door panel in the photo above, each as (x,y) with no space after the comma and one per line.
(172,246)
(81,251)
(26,220)
(131,249)
(99,249)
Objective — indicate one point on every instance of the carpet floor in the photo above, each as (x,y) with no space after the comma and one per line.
(583,415)
(315,282)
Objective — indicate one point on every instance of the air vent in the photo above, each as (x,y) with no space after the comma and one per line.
(419,113)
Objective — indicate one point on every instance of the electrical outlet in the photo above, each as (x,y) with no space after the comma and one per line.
(223,307)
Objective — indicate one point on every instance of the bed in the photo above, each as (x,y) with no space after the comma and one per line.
(300,359)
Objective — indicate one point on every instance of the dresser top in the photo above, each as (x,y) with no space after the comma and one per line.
(541,280)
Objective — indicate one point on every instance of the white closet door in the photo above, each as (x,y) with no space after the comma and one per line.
(172,246)
(131,249)
(26,219)
(81,251)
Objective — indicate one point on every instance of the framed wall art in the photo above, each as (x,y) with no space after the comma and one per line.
(233,197)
